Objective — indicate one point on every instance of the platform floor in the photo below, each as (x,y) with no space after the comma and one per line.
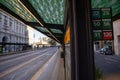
(61,75)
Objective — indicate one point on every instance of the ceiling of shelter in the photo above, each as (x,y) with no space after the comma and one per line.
(46,16)
(114,4)
(16,7)
(51,11)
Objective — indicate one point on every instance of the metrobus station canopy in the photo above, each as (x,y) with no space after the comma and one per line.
(48,16)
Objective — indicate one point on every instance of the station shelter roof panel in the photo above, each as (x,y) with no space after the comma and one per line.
(17,8)
(56,31)
(40,28)
(51,11)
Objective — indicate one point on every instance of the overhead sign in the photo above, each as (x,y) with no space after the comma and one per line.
(97,35)
(101,23)
(96,14)
(107,35)
(106,13)
(97,25)
(106,24)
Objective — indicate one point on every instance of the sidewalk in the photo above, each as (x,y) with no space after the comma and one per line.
(112,77)
(59,72)
(61,75)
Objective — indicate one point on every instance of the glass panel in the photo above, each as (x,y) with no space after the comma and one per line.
(41,28)
(56,31)
(52,11)
(55,35)
(17,8)
(114,4)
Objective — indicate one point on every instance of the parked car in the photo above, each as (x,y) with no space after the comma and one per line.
(105,51)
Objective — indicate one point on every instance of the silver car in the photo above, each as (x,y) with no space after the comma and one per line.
(105,51)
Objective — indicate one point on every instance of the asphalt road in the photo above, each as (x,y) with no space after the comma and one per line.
(28,65)
(108,64)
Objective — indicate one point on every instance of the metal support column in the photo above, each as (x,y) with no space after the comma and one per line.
(82,58)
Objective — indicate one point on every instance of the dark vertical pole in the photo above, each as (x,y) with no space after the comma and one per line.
(82,58)
(72,44)
(63,53)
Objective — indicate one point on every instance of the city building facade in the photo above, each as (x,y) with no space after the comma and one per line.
(31,35)
(13,33)
(116,28)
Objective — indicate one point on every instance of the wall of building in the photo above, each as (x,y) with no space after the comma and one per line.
(13,30)
(116,29)
(30,35)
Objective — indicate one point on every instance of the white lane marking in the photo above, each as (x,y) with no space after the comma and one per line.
(20,66)
(14,55)
(14,59)
(37,74)
(24,53)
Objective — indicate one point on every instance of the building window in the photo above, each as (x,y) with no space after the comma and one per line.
(16,26)
(10,24)
(5,22)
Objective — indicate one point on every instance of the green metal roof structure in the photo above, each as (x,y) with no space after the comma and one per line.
(47,16)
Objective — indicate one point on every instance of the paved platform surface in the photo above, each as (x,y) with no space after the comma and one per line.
(61,75)
(112,77)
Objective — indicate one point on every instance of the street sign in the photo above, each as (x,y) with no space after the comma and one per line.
(102,24)
(97,35)
(106,24)
(106,13)
(96,13)
(97,25)
(107,35)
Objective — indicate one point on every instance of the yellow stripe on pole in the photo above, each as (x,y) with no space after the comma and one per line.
(67,35)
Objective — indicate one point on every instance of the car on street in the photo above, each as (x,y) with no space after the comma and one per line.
(105,51)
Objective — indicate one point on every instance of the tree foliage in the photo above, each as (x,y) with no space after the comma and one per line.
(52,42)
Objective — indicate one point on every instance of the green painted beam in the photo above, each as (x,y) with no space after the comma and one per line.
(18,9)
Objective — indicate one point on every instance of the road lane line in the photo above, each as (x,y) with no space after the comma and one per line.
(8,61)
(19,66)
(37,74)
(20,54)
(14,55)
(4,62)
(18,58)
